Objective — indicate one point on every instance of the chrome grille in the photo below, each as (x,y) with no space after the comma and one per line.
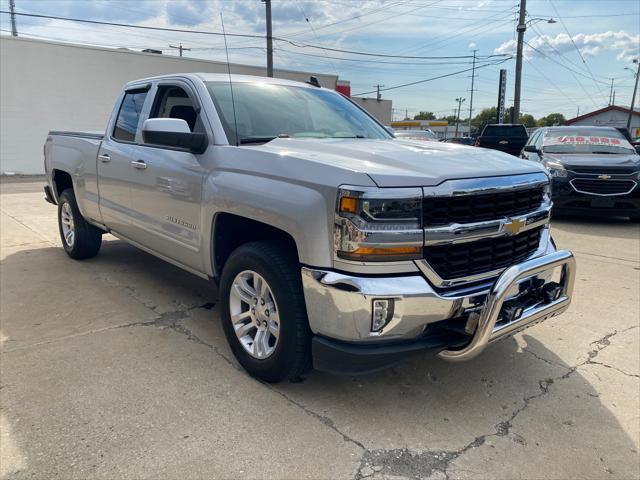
(438,211)
(482,256)
(596,186)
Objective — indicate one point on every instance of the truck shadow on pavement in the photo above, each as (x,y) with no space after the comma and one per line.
(517,410)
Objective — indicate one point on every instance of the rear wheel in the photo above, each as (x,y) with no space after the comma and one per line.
(263,312)
(80,239)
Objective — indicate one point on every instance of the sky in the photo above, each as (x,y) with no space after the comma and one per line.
(568,65)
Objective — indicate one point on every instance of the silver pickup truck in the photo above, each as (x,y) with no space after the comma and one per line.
(334,245)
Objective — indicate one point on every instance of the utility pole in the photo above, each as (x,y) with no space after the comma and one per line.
(611,93)
(267,4)
(12,8)
(613,102)
(459,100)
(521,28)
(378,94)
(473,78)
(180,48)
(635,90)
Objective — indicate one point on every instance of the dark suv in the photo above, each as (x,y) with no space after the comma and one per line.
(594,170)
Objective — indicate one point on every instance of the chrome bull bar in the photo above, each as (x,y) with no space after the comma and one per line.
(487,330)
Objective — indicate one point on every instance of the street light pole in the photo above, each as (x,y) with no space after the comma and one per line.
(633,97)
(267,4)
(521,28)
(459,100)
(473,78)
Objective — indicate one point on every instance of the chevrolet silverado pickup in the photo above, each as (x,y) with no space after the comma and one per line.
(333,244)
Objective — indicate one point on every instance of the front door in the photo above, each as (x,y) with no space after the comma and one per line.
(166,186)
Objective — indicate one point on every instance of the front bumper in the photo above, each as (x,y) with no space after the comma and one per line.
(567,200)
(456,324)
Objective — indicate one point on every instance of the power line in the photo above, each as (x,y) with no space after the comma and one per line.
(562,64)
(244,35)
(429,79)
(576,47)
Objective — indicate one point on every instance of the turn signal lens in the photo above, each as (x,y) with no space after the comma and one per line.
(349,205)
(373,254)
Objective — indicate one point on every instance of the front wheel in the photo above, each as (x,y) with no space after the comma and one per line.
(263,312)
(80,239)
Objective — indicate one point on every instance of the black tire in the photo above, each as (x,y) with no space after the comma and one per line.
(87,239)
(281,270)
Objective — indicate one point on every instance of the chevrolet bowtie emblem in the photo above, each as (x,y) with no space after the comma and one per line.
(604,177)
(514,225)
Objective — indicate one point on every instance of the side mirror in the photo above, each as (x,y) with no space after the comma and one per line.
(173,132)
(531,149)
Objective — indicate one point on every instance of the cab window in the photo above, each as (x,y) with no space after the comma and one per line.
(174,102)
(129,115)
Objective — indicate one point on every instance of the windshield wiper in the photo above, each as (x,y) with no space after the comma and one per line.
(246,140)
(605,153)
(351,136)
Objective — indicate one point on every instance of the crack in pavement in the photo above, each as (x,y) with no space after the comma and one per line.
(421,464)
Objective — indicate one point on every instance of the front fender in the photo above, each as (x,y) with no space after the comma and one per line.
(304,212)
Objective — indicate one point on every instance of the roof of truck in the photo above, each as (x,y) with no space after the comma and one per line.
(224,77)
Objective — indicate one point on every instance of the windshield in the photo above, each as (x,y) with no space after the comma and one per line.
(264,111)
(586,141)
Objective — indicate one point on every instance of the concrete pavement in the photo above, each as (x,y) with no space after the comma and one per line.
(117,367)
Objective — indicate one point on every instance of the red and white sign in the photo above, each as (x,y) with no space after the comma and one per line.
(588,140)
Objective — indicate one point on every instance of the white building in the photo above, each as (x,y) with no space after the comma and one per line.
(611,116)
(60,86)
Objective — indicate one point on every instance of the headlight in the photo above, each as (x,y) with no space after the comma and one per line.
(378,224)
(556,169)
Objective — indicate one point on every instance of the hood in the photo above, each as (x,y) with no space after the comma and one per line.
(396,163)
(622,160)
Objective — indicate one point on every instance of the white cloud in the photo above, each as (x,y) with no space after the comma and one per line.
(624,45)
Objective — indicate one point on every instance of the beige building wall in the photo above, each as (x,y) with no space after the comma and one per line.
(380,109)
(55,86)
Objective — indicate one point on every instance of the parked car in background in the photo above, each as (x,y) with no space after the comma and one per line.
(419,135)
(461,140)
(509,138)
(594,170)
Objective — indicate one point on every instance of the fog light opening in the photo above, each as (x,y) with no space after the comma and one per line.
(381,314)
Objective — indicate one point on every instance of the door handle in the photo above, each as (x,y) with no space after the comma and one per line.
(104,158)
(139,164)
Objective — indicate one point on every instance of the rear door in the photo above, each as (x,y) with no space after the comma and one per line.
(167,183)
(115,155)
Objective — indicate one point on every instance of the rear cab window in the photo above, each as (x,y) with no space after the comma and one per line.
(129,114)
(504,131)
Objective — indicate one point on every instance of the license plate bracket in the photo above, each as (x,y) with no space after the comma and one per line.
(602,202)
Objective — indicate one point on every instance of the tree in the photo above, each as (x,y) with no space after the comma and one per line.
(527,120)
(551,120)
(487,115)
(449,118)
(425,116)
